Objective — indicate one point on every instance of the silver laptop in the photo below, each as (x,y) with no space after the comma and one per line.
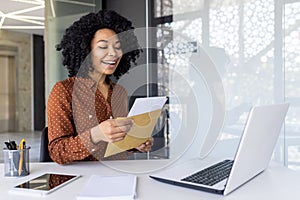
(252,157)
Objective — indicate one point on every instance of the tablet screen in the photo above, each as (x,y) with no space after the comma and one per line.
(47,182)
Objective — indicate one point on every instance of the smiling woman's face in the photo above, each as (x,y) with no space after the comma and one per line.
(106,52)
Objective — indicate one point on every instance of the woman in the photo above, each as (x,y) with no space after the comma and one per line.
(82,109)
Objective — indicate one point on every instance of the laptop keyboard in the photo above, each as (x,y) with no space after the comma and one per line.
(211,175)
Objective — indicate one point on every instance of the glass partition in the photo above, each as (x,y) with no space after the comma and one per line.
(254,47)
(214,59)
(60,14)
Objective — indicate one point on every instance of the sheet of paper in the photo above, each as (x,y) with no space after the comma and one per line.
(147,111)
(109,187)
(147,104)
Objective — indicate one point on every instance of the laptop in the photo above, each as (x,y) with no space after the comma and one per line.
(252,157)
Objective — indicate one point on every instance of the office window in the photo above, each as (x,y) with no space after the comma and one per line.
(162,8)
(291,56)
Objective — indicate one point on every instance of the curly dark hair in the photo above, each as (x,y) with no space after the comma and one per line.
(75,44)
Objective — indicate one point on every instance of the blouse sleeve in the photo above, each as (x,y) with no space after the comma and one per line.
(65,145)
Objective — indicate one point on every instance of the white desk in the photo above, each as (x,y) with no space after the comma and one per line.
(276,183)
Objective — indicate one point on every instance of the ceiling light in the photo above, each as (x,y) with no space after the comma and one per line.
(26,14)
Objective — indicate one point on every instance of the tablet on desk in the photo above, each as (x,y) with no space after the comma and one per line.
(44,184)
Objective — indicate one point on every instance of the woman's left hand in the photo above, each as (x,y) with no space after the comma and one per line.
(146,146)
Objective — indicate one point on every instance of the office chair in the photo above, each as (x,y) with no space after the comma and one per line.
(44,152)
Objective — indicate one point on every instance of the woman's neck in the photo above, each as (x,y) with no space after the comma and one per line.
(100,79)
(103,87)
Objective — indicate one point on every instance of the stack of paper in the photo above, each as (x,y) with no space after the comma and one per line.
(109,187)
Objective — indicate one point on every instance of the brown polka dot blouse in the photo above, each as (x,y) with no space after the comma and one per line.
(75,105)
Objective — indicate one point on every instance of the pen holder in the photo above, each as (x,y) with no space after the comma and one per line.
(16,162)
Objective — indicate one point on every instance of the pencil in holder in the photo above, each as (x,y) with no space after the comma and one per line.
(16,162)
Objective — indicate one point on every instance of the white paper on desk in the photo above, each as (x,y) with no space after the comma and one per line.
(147,104)
(109,187)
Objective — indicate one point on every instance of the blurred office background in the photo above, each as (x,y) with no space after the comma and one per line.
(254,46)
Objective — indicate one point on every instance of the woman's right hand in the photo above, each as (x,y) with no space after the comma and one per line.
(111,130)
